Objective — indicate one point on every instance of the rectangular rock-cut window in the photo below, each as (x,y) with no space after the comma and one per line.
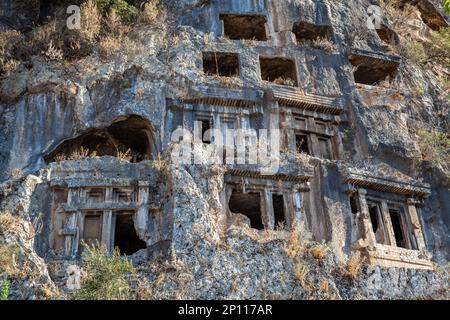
(278,210)
(301,143)
(249,27)
(221,64)
(95,195)
(123,195)
(248,204)
(376,218)
(305,31)
(372,71)
(92,229)
(399,228)
(280,71)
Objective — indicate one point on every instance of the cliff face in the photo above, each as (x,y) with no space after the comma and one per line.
(361,117)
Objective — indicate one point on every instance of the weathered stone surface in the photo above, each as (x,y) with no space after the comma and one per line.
(360,140)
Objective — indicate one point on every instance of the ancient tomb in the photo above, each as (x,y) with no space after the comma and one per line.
(239,26)
(430,15)
(279,70)
(221,64)
(133,136)
(265,202)
(305,31)
(385,215)
(371,68)
(99,202)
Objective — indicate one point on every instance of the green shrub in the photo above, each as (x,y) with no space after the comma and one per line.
(126,11)
(105,277)
(4,292)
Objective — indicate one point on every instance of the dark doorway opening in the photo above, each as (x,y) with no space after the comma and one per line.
(301,143)
(206,133)
(373,212)
(125,237)
(280,71)
(353,205)
(221,64)
(250,27)
(278,210)
(248,204)
(397,225)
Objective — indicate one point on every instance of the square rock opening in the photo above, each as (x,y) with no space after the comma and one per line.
(372,71)
(221,64)
(250,27)
(280,71)
(305,31)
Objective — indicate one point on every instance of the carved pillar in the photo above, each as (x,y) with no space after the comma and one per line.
(298,206)
(415,222)
(109,195)
(388,224)
(106,229)
(367,231)
(141,220)
(79,233)
(267,210)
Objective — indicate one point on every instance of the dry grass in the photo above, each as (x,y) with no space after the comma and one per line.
(108,47)
(91,19)
(297,242)
(301,272)
(161,278)
(353,266)
(81,154)
(160,164)
(319,251)
(10,222)
(324,44)
(325,287)
(8,259)
(150,12)
(284,81)
(125,155)
(54,53)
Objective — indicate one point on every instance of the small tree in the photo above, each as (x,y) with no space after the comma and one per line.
(105,277)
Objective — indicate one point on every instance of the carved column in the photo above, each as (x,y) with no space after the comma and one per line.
(267,210)
(141,220)
(106,229)
(367,231)
(415,222)
(388,224)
